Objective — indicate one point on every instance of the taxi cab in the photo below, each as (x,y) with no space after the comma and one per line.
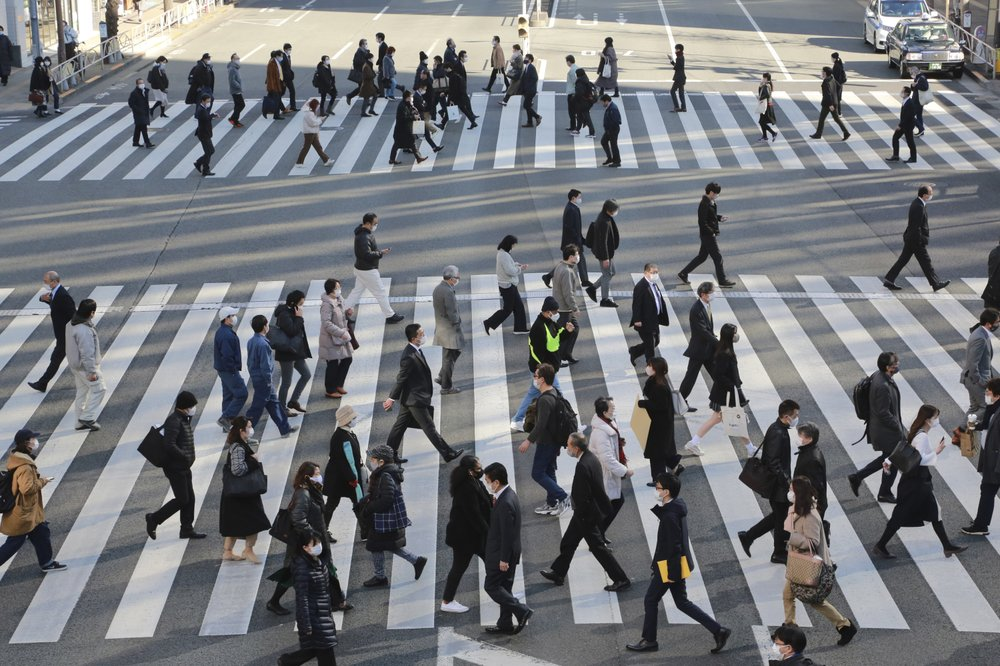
(928,44)
(881,17)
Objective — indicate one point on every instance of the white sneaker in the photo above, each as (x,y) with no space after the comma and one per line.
(453,607)
(562,507)
(693,449)
(517,426)
(328,163)
(546,509)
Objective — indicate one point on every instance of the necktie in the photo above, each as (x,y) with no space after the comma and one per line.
(708,306)
(656,296)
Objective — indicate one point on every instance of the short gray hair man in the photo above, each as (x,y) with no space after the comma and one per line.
(450,272)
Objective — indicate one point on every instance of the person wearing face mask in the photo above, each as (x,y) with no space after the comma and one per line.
(497,63)
(608,446)
(811,464)
(776,454)
(61,309)
(343,476)
(447,328)
(26,521)
(907,123)
(661,446)
(368,89)
(387,74)
(788,644)
(384,512)
(6,56)
(603,242)
(325,82)
(83,356)
(413,389)
(241,517)
(367,256)
(726,386)
(138,101)
(53,86)
(988,464)
(40,84)
(203,114)
(572,234)
(885,427)
(288,75)
(158,84)
(178,443)
(468,524)
(201,80)
(765,108)
(977,370)
(708,232)
(357,69)
(515,68)
(991,293)
(275,87)
(649,312)
(227,360)
(568,291)
(334,339)
(672,546)
(458,93)
(236,90)
(701,346)
(260,364)
(805,534)
(503,552)
(915,240)
(509,274)
(313,606)
(288,317)
(915,503)
(828,106)
(544,341)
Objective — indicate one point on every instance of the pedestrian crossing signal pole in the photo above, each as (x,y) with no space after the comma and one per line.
(522,31)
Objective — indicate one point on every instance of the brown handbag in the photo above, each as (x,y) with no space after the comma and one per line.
(803,568)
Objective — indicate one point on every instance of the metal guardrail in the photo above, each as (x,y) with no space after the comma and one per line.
(979,54)
(90,63)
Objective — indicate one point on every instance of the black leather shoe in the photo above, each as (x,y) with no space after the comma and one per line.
(779,558)
(847,633)
(855,483)
(376,581)
(683,280)
(549,574)
(883,553)
(523,622)
(954,550)
(720,640)
(643,646)
(277,608)
(726,283)
(547,279)
(452,455)
(887,499)
(592,293)
(745,541)
(487,328)
(418,567)
(893,158)
(38,386)
(617,586)
(571,360)
(294,404)
(191,534)
(509,631)
(941,285)
(891,285)
(151,526)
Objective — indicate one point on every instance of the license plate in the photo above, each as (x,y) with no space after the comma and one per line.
(934,66)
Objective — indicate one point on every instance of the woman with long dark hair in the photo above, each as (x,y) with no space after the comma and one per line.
(915,501)
(765,107)
(288,317)
(508,275)
(661,448)
(726,385)
(241,517)
(468,523)
(805,534)
(607,70)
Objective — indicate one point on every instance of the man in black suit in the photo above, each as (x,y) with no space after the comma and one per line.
(288,76)
(680,78)
(414,389)
(701,347)
(503,552)
(885,427)
(828,106)
(649,312)
(572,234)
(590,508)
(708,232)
(138,101)
(915,240)
(907,123)
(61,309)
(203,114)
(777,457)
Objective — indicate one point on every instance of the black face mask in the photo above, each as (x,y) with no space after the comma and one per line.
(477,473)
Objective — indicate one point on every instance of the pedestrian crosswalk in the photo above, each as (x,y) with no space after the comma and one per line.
(811,320)
(92,142)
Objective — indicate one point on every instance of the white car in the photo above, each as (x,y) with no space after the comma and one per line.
(881,16)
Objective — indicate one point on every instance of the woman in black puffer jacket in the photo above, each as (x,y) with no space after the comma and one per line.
(313,607)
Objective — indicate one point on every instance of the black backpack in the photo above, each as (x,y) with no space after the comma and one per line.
(316,79)
(564,419)
(6,491)
(592,92)
(861,396)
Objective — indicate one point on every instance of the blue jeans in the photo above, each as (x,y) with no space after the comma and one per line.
(543,472)
(378,559)
(265,397)
(531,395)
(234,394)
(40,538)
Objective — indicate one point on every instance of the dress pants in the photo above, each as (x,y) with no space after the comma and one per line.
(678,590)
(616,506)
(910,143)
(576,531)
(677,91)
(567,341)
(918,112)
(234,394)
(140,130)
(498,586)
(709,248)
(58,354)
(648,342)
(238,105)
(421,416)
(512,303)
(448,359)
(660,463)
(89,395)
(208,150)
(574,117)
(290,89)
(823,113)
(493,77)
(583,119)
(609,142)
(987,500)
(183,500)
(265,397)
(369,280)
(920,252)
(691,376)
(977,403)
(40,538)
(336,373)
(774,523)
(526,102)
(876,466)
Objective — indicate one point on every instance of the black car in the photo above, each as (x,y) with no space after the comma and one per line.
(928,44)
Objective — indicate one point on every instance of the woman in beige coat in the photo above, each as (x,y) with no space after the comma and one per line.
(499,65)
(26,521)
(805,534)
(334,339)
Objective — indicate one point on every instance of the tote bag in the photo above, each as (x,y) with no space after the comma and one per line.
(735,421)
(640,423)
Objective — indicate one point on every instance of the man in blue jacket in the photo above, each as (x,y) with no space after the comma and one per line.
(612,125)
(228,361)
(529,88)
(260,363)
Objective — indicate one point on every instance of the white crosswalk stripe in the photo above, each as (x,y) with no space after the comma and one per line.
(871,599)
(717,126)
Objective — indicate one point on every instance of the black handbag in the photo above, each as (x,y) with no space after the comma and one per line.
(280,342)
(904,457)
(250,484)
(354,76)
(151,447)
(757,476)
(281,526)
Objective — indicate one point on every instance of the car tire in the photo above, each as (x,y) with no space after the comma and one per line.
(958,73)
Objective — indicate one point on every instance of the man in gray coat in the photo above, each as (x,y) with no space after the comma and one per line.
(978,355)
(447,327)
(83,355)
(568,291)
(885,428)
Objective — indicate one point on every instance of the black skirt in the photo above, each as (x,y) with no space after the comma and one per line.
(915,502)
(242,516)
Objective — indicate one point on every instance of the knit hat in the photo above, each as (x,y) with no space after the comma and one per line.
(186,400)
(228,311)
(550,305)
(382,452)
(345,414)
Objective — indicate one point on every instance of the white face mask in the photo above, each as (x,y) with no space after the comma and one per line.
(353,422)
(649,371)
(990,398)
(374,226)
(935,422)
(776,651)
(537,382)
(661,497)
(250,431)
(235,320)
(736,338)
(316,549)
(370,464)
(791,497)
(318,479)
(192,411)
(419,342)
(336,293)
(711,297)
(930,198)
(794,422)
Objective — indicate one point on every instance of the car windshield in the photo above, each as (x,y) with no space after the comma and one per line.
(898,8)
(929,33)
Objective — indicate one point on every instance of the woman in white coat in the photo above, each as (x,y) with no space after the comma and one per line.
(606,443)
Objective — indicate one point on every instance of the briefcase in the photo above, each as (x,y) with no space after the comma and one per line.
(640,423)
(151,447)
(757,476)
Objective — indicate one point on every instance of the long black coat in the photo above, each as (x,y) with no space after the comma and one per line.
(885,428)
(660,406)
(402,133)
(382,487)
(572,226)
(313,606)
(991,295)
(61,310)
(503,542)
(341,470)
(590,499)
(202,77)
(644,308)
(6,55)
(672,541)
(469,520)
(138,101)
(726,379)
(306,509)
(989,457)
(40,79)
(776,454)
(812,465)
(703,342)
(292,326)
(915,502)
(325,79)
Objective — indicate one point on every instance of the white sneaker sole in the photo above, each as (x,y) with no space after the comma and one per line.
(694,449)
